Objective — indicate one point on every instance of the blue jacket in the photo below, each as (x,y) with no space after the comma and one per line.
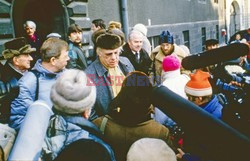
(214,107)
(27,92)
(98,74)
(64,130)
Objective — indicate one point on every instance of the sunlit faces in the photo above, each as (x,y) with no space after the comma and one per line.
(30,30)
(167,48)
(109,57)
(76,37)
(135,42)
(61,61)
(22,62)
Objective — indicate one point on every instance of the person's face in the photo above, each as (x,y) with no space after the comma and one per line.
(135,43)
(167,48)
(195,100)
(22,62)
(238,37)
(61,61)
(211,47)
(109,58)
(76,37)
(94,28)
(30,30)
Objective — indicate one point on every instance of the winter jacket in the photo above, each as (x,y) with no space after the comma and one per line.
(157,57)
(99,77)
(122,137)
(63,130)
(213,107)
(77,56)
(27,93)
(9,90)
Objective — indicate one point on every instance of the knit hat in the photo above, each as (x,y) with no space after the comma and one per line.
(150,149)
(15,47)
(53,34)
(166,37)
(142,28)
(170,63)
(71,94)
(109,41)
(199,84)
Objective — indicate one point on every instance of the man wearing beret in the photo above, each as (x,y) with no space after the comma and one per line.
(17,53)
(107,71)
(36,85)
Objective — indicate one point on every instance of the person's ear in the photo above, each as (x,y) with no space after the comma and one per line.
(15,60)
(53,60)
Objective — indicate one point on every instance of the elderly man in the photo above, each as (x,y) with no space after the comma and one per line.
(107,71)
(77,55)
(166,47)
(17,53)
(33,39)
(133,51)
(36,85)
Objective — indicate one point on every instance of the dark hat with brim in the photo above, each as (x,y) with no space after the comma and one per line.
(15,47)
(109,41)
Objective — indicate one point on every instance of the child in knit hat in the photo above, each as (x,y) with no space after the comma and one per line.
(199,91)
(172,77)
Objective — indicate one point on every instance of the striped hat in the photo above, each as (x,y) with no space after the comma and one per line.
(199,84)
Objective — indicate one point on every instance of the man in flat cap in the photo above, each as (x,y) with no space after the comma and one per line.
(17,53)
(107,71)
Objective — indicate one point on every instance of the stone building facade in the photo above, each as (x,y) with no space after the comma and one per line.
(191,21)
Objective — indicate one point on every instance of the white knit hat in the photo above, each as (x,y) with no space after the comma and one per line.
(71,94)
(150,149)
(142,28)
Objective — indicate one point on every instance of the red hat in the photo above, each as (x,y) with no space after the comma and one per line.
(171,63)
(199,84)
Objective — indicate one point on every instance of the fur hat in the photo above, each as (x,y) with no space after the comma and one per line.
(109,41)
(114,24)
(170,63)
(199,84)
(142,28)
(166,37)
(16,47)
(71,94)
(150,149)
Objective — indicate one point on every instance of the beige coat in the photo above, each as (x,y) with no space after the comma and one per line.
(157,57)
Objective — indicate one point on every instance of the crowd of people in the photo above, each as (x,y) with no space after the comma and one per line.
(102,103)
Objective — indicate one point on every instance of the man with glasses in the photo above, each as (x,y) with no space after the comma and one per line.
(107,71)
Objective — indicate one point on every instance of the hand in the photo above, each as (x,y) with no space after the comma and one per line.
(180,154)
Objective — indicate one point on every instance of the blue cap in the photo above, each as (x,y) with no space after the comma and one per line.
(166,37)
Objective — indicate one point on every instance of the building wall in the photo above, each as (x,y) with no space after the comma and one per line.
(174,15)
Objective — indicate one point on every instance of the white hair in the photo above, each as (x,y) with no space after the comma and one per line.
(29,24)
(135,33)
